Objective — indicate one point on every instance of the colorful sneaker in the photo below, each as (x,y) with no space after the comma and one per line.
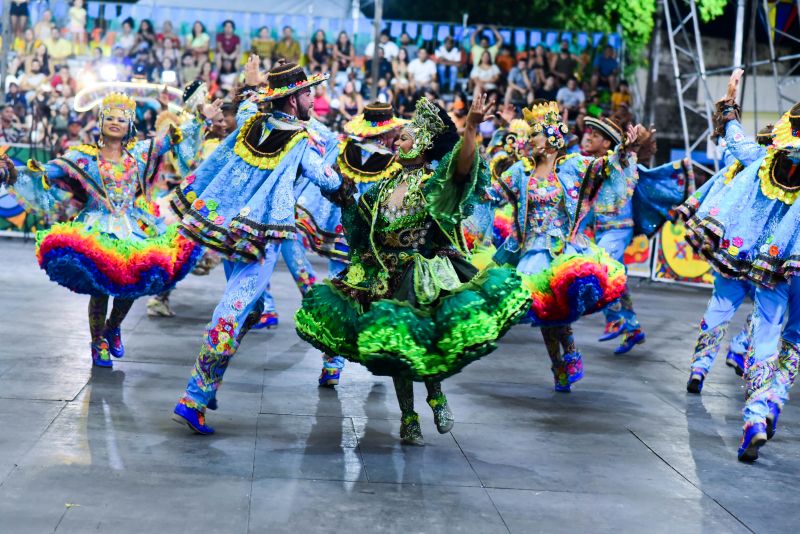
(101,357)
(695,383)
(442,415)
(772,419)
(194,419)
(736,361)
(267,320)
(410,431)
(613,330)
(213,404)
(754,436)
(331,371)
(159,307)
(631,339)
(569,372)
(114,338)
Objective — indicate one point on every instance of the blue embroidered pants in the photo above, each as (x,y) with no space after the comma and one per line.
(240,306)
(615,241)
(725,299)
(771,365)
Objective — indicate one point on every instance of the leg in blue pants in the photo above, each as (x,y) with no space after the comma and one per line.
(726,298)
(771,364)
(332,365)
(294,255)
(620,315)
(243,295)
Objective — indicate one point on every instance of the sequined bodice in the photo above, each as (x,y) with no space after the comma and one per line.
(545,198)
(120,180)
(402,220)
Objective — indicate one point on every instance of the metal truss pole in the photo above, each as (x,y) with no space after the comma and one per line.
(685,45)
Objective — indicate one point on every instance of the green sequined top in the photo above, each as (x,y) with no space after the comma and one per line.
(417,243)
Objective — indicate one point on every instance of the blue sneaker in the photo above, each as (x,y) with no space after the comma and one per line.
(753,437)
(633,338)
(613,330)
(331,371)
(114,338)
(267,320)
(736,361)
(695,383)
(100,355)
(569,372)
(772,419)
(194,419)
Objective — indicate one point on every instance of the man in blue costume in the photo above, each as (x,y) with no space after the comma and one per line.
(748,230)
(624,210)
(241,203)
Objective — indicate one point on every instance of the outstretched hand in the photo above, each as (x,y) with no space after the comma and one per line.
(164,98)
(733,85)
(213,109)
(482,110)
(252,71)
(507,113)
(8,173)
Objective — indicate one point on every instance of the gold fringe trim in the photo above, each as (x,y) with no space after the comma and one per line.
(267,161)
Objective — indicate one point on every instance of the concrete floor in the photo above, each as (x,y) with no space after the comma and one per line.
(86,450)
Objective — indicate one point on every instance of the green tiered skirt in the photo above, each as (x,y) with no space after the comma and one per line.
(458,323)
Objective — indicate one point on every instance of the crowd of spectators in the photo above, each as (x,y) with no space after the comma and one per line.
(53,59)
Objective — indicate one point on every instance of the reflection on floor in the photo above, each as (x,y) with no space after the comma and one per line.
(85,450)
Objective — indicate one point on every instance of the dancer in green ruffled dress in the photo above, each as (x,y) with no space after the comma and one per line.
(410,305)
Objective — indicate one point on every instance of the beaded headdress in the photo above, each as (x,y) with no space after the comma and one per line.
(126,104)
(545,119)
(118,101)
(425,125)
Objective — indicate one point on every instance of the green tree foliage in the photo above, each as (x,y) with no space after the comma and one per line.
(635,17)
(711,9)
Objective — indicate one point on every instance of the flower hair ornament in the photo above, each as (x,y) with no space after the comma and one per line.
(517,137)
(545,119)
(425,125)
(122,102)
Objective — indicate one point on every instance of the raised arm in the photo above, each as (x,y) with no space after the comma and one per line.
(480,111)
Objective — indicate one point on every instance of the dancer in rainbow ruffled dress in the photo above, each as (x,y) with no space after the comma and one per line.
(568,277)
(116,246)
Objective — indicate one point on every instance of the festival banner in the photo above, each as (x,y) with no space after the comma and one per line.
(676,261)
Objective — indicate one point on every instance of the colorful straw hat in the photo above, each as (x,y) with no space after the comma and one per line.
(286,79)
(377,119)
(787,129)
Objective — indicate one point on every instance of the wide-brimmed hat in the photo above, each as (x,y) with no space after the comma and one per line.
(377,119)
(286,79)
(787,130)
(607,127)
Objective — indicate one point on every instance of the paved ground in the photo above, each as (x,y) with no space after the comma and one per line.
(85,450)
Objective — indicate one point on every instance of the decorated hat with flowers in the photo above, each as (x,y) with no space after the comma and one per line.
(545,119)
(286,79)
(787,129)
(378,118)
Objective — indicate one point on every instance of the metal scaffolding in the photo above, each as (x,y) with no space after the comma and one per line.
(685,46)
(690,73)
